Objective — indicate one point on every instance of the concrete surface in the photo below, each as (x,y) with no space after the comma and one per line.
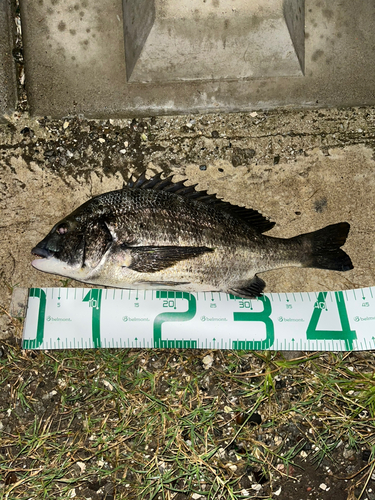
(191,40)
(75,64)
(8,84)
(303,169)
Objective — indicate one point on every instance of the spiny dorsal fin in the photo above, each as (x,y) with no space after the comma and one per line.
(251,217)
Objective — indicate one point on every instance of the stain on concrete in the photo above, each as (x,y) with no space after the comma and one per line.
(242,156)
(317,55)
(327,13)
(320,205)
(61,26)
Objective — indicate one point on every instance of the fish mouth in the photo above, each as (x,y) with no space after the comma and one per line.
(43,256)
(42,252)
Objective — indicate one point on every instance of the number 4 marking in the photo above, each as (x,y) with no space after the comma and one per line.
(345,334)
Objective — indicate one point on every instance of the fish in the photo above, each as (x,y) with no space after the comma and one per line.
(156,233)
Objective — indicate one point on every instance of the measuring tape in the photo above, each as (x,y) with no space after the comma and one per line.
(80,318)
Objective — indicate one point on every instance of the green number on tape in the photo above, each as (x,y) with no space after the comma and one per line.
(35,343)
(174,316)
(345,334)
(264,317)
(94,298)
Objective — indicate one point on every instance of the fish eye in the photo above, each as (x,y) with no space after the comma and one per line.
(62,229)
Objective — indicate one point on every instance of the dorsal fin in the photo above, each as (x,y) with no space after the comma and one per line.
(251,217)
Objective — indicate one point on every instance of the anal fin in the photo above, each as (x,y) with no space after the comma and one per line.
(249,289)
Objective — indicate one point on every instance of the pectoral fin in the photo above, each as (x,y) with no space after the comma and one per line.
(152,259)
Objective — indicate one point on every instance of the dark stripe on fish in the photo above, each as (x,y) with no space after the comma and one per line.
(163,283)
(151,259)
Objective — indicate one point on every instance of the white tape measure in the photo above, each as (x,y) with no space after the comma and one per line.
(80,318)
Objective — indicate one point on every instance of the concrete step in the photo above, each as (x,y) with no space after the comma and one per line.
(193,56)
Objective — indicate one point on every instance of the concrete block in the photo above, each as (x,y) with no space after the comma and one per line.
(8,82)
(220,40)
(75,61)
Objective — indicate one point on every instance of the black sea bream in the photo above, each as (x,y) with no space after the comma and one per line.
(159,234)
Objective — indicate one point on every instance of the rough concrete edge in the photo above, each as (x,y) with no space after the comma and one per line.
(11,89)
(27,60)
(136,32)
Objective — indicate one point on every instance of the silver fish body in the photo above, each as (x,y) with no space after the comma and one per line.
(159,234)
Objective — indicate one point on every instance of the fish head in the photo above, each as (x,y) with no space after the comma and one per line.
(74,248)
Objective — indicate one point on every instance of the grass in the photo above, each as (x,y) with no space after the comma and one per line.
(157,425)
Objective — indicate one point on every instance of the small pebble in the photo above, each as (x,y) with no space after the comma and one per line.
(278,440)
(207,361)
(347,453)
(108,385)
(82,466)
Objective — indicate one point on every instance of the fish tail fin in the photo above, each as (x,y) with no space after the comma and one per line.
(325,251)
